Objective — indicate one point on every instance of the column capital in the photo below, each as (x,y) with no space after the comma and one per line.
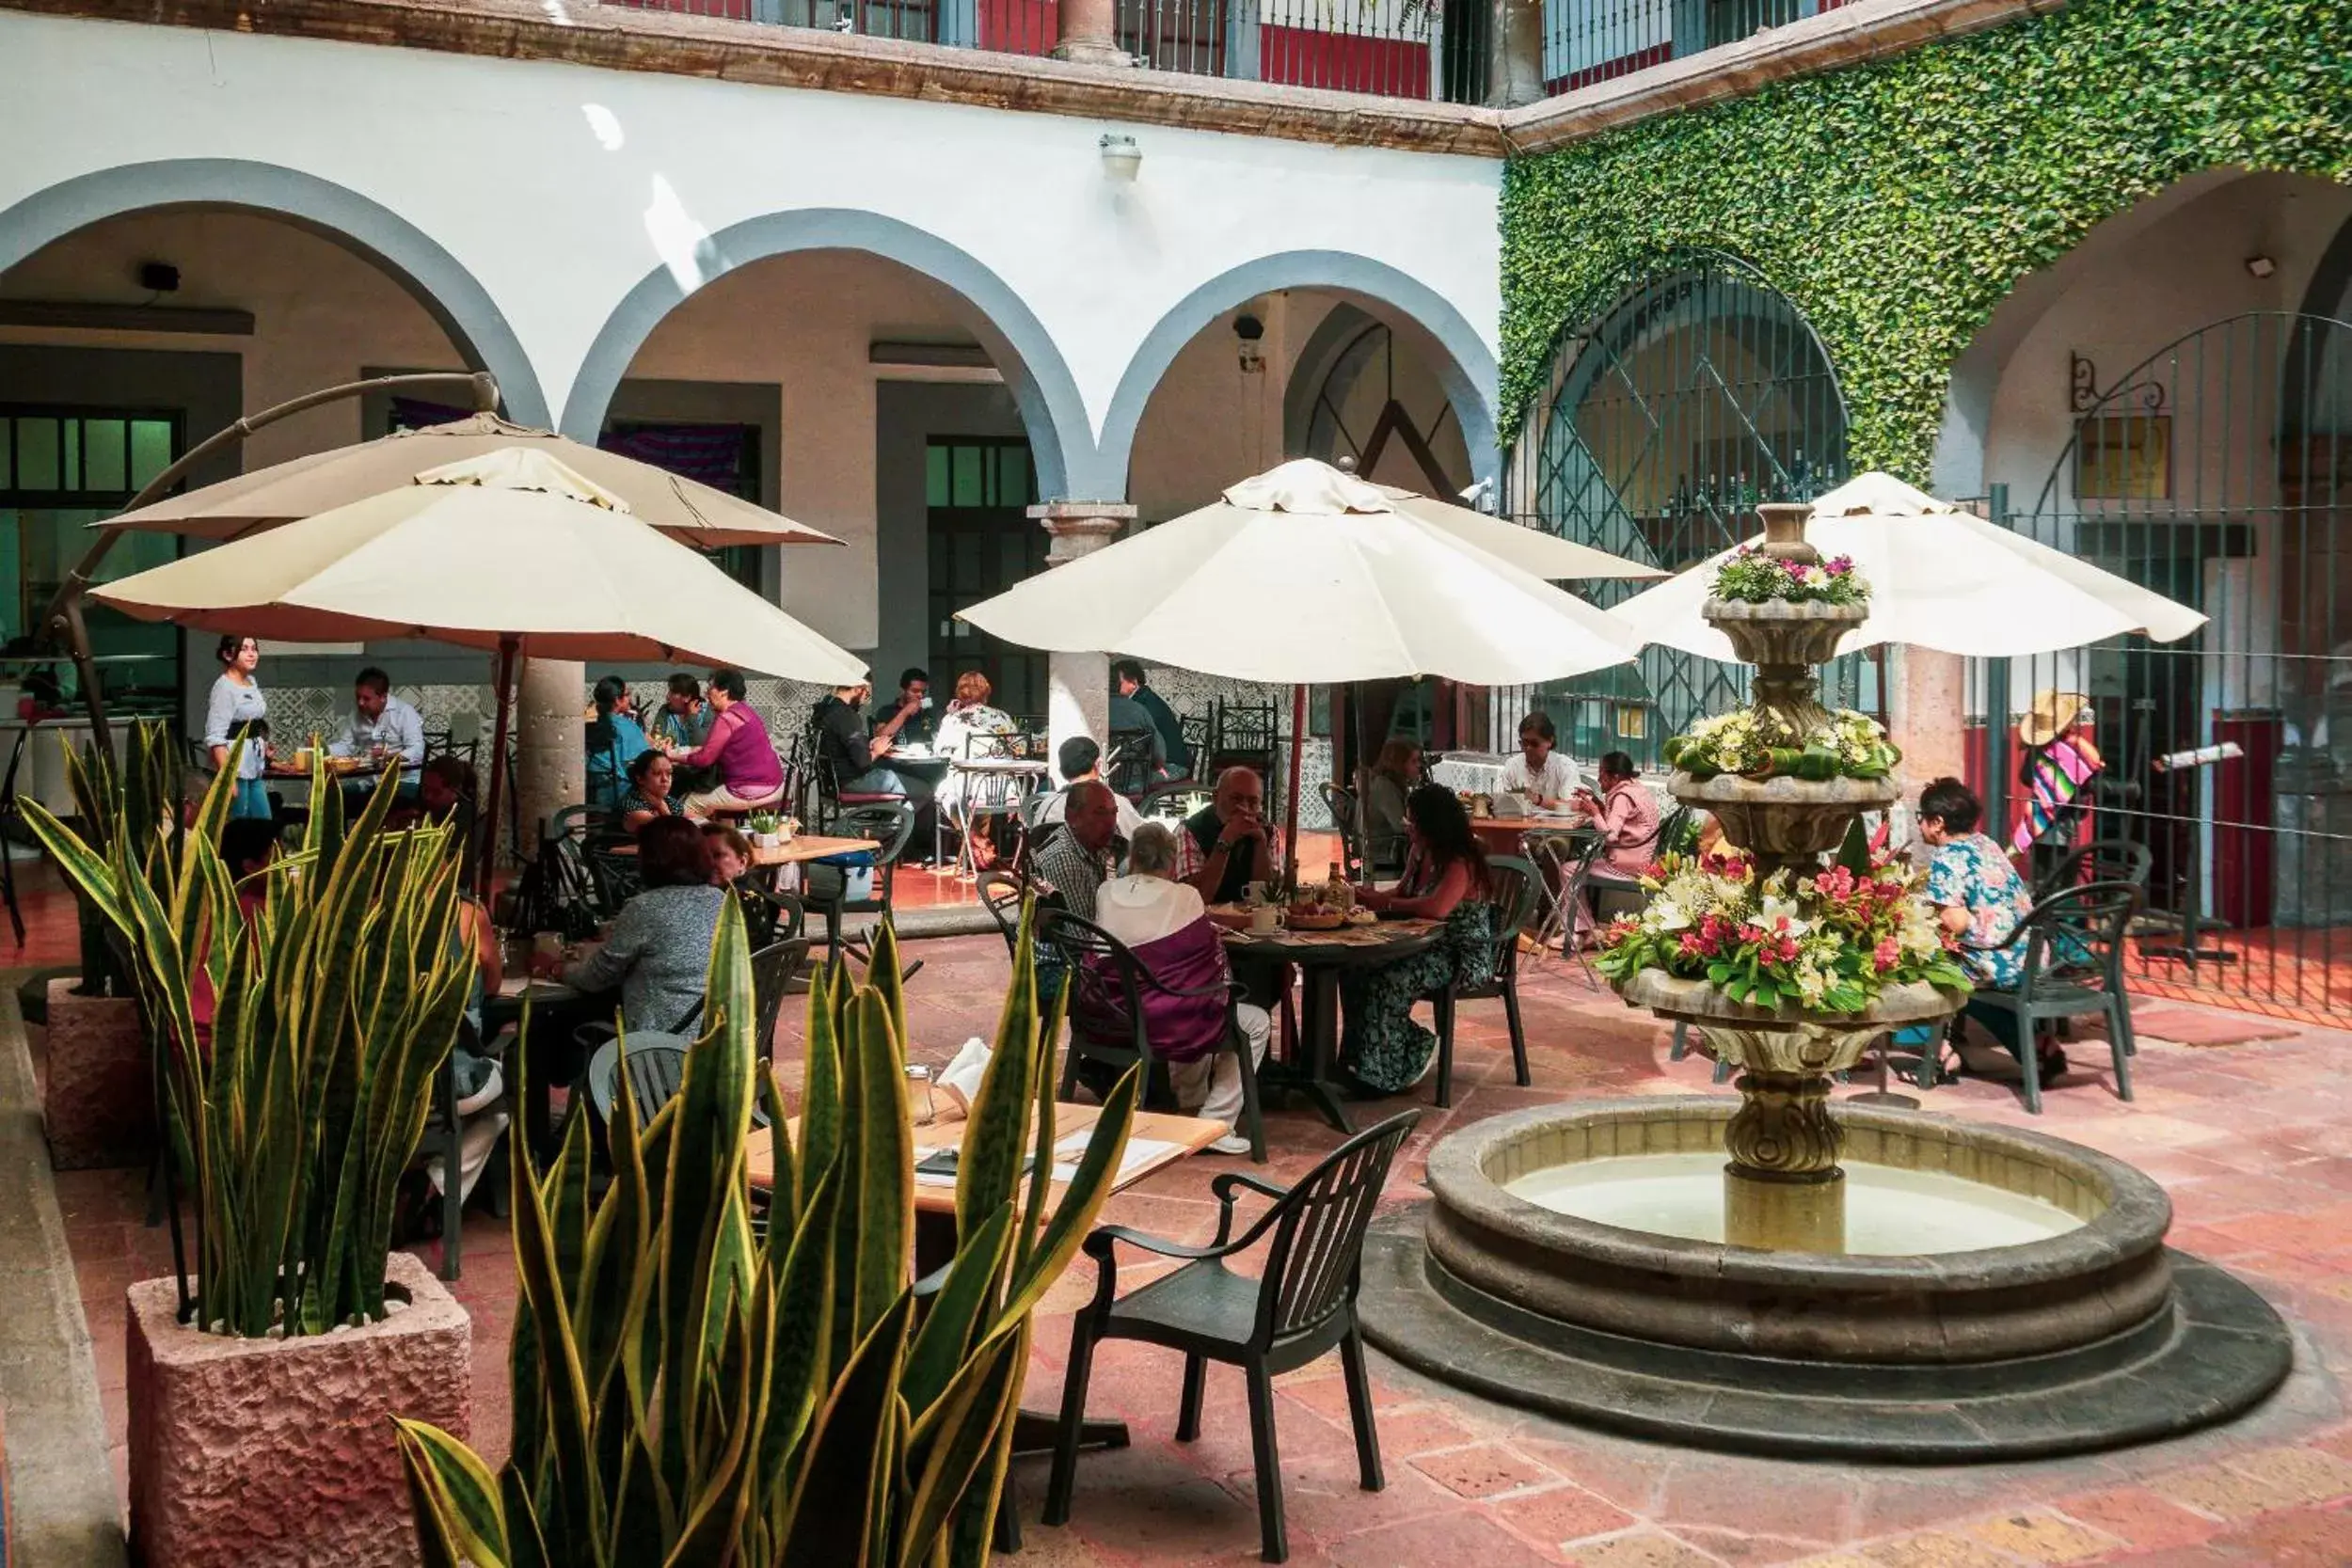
(1081,527)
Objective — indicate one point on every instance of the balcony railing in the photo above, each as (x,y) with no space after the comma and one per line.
(1597,41)
(1390,48)
(1424,49)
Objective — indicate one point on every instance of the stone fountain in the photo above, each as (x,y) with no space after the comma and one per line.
(1689,1269)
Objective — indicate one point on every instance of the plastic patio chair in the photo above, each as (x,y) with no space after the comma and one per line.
(2073,942)
(1301,1307)
(1513,890)
(1106,1013)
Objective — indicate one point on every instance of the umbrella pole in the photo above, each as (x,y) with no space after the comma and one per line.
(510,653)
(1299,738)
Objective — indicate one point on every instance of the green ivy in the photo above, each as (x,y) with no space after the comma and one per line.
(1897,203)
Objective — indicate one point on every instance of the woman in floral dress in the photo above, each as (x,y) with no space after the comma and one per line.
(1445,878)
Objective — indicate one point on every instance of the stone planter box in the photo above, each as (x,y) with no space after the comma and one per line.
(98,1105)
(282,1451)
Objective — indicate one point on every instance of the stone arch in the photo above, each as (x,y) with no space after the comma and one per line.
(1025,353)
(1465,364)
(438,282)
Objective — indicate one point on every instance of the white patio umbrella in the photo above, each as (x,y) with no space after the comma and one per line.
(502,553)
(1939,578)
(1306,575)
(682,508)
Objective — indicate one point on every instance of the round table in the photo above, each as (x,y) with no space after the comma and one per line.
(1322,958)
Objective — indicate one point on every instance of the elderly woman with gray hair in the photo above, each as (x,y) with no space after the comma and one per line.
(1164,923)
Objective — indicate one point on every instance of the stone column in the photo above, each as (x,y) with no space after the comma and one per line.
(551,762)
(1515,53)
(1078,685)
(1927,714)
(1089,34)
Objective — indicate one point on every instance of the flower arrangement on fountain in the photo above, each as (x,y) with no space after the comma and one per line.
(1760,744)
(1829,941)
(1754,576)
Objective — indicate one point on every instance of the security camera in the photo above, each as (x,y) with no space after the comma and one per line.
(1247,327)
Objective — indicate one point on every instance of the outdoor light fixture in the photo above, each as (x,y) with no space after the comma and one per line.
(2260,266)
(1248,328)
(1121,157)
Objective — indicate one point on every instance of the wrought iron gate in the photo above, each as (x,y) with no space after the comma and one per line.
(2218,472)
(1694,398)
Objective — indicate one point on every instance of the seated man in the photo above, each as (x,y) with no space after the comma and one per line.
(1164,924)
(1080,761)
(381,719)
(915,723)
(1226,845)
(1074,864)
(685,719)
(844,746)
(748,777)
(1546,776)
(1131,695)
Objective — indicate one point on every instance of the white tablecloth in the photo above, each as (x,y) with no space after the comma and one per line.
(1471,772)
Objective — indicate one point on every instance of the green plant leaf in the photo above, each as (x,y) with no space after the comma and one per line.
(847,1477)
(455,1498)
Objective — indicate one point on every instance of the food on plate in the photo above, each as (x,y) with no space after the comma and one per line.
(1362,917)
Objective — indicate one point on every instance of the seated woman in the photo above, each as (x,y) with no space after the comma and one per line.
(1627,815)
(1445,878)
(648,798)
(970,728)
(614,740)
(1980,898)
(659,954)
(1392,779)
(730,854)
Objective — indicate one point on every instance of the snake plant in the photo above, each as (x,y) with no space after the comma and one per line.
(689,1388)
(340,981)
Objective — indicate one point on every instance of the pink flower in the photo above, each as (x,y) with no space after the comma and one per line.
(1882,957)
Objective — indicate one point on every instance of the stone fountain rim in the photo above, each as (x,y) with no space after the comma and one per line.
(2137,1214)
(1713,609)
(1784,789)
(1677,997)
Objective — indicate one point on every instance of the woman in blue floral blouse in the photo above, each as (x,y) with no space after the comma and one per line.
(1980,897)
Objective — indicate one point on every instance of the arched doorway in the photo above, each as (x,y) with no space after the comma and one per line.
(1670,416)
(2219,471)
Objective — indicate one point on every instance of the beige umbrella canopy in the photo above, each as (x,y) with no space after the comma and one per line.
(692,512)
(1306,575)
(496,553)
(1939,579)
(477,554)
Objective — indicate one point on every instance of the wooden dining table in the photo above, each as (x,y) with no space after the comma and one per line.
(1157,1140)
(803,847)
(1322,958)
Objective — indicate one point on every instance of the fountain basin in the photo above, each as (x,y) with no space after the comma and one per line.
(1783,815)
(2090,1337)
(2105,1274)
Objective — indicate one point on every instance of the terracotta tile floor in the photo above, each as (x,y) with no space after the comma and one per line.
(2250,1139)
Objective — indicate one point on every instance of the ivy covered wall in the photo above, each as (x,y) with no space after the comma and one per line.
(1897,203)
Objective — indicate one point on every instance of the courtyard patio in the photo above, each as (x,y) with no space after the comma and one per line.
(2242,1119)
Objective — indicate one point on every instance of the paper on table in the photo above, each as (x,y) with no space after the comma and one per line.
(1068,1150)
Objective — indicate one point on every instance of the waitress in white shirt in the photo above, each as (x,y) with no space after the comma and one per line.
(1546,776)
(238,712)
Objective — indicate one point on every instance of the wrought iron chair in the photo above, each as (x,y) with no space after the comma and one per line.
(1106,1017)
(770,914)
(1243,735)
(1127,766)
(2073,946)
(1001,892)
(1512,891)
(1339,801)
(1193,729)
(890,824)
(1299,1310)
(1173,799)
(984,794)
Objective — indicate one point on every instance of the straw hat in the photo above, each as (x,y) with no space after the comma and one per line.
(2054,713)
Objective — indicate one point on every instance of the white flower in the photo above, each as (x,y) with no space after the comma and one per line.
(1777,909)
(1667,915)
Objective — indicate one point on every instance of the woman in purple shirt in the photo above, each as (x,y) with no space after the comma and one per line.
(749,777)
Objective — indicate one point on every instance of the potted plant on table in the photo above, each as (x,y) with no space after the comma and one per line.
(302,1014)
(697,1380)
(767,828)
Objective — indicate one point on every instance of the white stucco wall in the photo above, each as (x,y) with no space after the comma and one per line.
(560,189)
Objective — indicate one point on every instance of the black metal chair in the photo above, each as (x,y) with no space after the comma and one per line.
(1339,801)
(891,825)
(1512,889)
(770,914)
(1243,735)
(1127,764)
(2102,860)
(2074,945)
(1106,1015)
(1301,1308)
(774,968)
(12,829)
(1174,799)
(1001,892)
